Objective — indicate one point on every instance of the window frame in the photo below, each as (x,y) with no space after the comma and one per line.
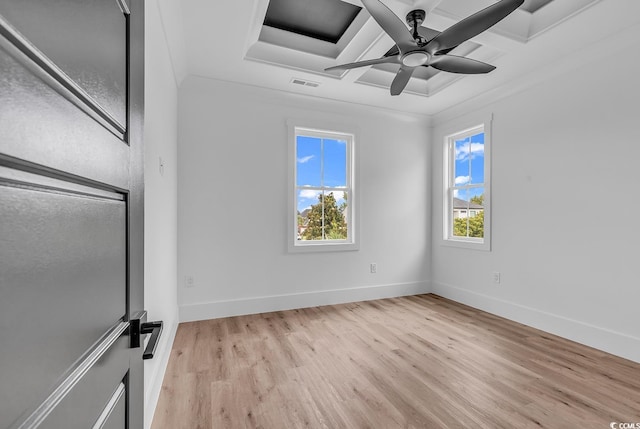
(448,238)
(330,131)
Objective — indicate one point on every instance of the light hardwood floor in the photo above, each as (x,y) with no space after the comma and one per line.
(411,362)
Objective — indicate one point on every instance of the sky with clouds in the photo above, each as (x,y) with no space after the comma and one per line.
(469,165)
(319,163)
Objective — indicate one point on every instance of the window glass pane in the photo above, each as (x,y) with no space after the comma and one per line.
(309,216)
(335,221)
(476,154)
(308,161)
(476,225)
(461,162)
(476,198)
(306,198)
(476,203)
(460,209)
(335,163)
(460,227)
(343,206)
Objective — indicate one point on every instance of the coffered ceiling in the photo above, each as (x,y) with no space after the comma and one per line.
(287,44)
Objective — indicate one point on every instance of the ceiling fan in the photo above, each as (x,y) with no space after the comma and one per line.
(421,47)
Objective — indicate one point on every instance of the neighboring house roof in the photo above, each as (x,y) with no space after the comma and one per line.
(462,204)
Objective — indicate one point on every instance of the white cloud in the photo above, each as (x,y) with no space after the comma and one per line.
(462,180)
(305,159)
(308,193)
(476,149)
(313,194)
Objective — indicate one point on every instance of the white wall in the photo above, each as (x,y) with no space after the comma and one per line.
(232,195)
(161,100)
(565,205)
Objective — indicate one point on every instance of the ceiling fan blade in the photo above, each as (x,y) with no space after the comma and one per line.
(390,59)
(454,64)
(428,34)
(401,80)
(472,25)
(391,24)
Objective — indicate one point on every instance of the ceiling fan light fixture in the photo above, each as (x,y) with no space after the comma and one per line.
(415,58)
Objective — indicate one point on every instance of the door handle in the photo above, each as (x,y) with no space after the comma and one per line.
(138,328)
(155,329)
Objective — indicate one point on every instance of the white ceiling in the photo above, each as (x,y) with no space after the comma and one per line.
(220,39)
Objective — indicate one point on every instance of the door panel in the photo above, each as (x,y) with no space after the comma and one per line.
(71,213)
(36,113)
(63,273)
(87,39)
(114,414)
(86,401)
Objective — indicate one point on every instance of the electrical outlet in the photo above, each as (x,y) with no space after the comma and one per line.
(189,282)
(373,268)
(496,277)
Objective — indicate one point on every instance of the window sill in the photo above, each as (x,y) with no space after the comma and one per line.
(323,247)
(467,244)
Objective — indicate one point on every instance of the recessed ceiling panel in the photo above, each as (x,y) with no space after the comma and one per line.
(325,20)
(532,6)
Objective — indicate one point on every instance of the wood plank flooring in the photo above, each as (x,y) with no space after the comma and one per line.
(411,362)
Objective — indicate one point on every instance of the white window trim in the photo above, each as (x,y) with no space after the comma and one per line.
(448,164)
(331,130)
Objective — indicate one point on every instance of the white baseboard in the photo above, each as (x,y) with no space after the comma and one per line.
(265,304)
(616,343)
(152,393)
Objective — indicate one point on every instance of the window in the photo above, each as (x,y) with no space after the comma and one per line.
(466,193)
(322,192)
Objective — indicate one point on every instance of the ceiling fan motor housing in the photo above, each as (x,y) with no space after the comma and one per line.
(416,17)
(415,58)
